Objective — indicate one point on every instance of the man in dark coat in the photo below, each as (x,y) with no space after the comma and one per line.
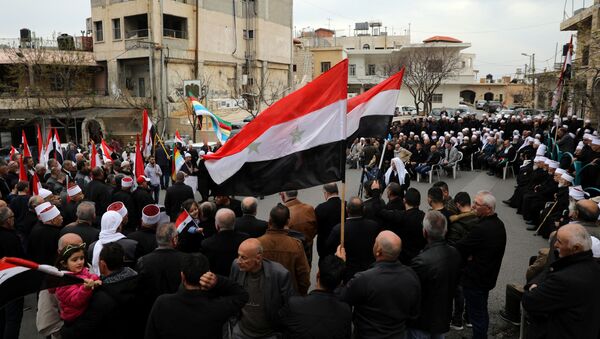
(10,246)
(123,194)
(568,296)
(4,189)
(146,234)
(385,296)
(359,235)
(86,214)
(97,191)
(205,302)
(176,195)
(320,314)
(483,250)
(328,215)
(221,248)
(43,240)
(163,160)
(142,197)
(248,223)
(438,268)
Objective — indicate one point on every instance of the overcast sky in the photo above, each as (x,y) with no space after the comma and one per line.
(499,30)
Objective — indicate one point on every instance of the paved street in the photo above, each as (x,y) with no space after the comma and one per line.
(520,246)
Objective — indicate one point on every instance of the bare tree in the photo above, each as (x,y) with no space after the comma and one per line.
(261,92)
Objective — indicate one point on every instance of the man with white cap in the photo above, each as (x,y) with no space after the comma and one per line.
(74,197)
(553,212)
(43,240)
(189,167)
(97,191)
(142,196)
(146,234)
(110,231)
(124,195)
(534,201)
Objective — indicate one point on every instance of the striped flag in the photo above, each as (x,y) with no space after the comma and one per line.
(94,157)
(182,220)
(139,160)
(40,146)
(565,74)
(106,150)
(146,135)
(26,150)
(13,151)
(221,127)
(178,138)
(176,163)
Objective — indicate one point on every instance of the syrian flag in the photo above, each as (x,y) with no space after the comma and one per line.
(106,151)
(296,143)
(20,277)
(369,114)
(565,74)
(178,138)
(40,146)
(95,160)
(53,145)
(139,161)
(22,171)
(147,135)
(182,220)
(35,184)
(13,151)
(26,150)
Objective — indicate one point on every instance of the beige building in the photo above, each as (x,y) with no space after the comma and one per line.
(239,52)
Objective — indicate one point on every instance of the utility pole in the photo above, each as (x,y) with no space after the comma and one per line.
(533,79)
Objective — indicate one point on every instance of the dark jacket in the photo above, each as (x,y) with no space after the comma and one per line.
(127,199)
(483,250)
(129,247)
(98,192)
(174,198)
(438,268)
(384,297)
(146,239)
(251,225)
(319,315)
(459,229)
(10,244)
(568,297)
(359,237)
(221,249)
(328,215)
(195,313)
(408,225)
(43,243)
(87,233)
(141,197)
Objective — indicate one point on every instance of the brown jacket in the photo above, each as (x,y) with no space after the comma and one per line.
(302,219)
(278,246)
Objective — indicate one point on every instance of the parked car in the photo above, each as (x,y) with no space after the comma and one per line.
(480,103)
(504,112)
(408,110)
(525,111)
(492,106)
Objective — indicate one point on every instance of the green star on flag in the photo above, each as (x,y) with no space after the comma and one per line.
(297,135)
(253,147)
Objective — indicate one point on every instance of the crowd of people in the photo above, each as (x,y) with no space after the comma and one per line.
(391,270)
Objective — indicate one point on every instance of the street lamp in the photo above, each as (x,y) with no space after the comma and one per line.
(532,68)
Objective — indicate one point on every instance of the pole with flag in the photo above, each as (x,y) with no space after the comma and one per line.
(94,156)
(178,138)
(106,150)
(146,135)
(40,146)
(221,127)
(26,150)
(35,184)
(22,171)
(565,74)
(139,160)
(13,151)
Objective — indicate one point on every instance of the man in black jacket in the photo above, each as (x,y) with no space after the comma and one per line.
(438,268)
(123,194)
(10,246)
(248,223)
(385,296)
(568,296)
(483,250)
(320,314)
(221,248)
(328,215)
(146,234)
(176,195)
(142,197)
(97,191)
(86,214)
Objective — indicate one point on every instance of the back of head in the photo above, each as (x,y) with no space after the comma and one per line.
(291,194)
(22,186)
(208,209)
(462,199)
(488,199)
(435,224)
(331,188)
(193,266)
(86,211)
(587,210)
(395,189)
(579,239)
(331,271)
(389,244)
(179,177)
(249,205)
(113,256)
(435,194)
(412,197)
(355,207)
(165,233)
(97,173)
(367,188)
(442,185)
(225,219)
(279,216)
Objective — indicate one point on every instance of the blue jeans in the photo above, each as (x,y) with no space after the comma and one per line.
(476,301)
(423,169)
(414,333)
(164,179)
(155,192)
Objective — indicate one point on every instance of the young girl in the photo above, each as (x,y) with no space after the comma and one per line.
(73,299)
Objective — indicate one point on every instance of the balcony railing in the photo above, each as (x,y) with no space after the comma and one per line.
(137,33)
(172,33)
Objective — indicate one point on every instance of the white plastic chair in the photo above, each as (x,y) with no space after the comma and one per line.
(509,167)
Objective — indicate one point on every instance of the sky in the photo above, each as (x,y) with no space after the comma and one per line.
(499,30)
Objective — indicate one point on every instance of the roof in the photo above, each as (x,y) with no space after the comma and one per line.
(325,30)
(441,38)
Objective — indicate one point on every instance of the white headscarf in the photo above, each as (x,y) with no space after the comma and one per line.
(110,222)
(400,170)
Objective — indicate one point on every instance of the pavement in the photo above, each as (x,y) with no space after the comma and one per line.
(521,244)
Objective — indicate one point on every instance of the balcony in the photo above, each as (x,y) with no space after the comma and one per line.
(172,33)
(578,18)
(137,33)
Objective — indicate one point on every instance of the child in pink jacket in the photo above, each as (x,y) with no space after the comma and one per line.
(73,299)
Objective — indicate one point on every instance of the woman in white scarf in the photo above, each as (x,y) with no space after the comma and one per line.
(396,173)
(110,223)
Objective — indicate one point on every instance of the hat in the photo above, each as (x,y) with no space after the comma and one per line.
(553,164)
(588,136)
(49,214)
(44,193)
(577,192)
(540,159)
(559,171)
(186,154)
(595,247)
(125,163)
(126,182)
(596,141)
(118,207)
(141,179)
(110,221)
(73,190)
(201,153)
(39,208)
(567,177)
(151,214)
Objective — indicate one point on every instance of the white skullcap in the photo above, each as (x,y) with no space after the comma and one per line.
(596,141)
(540,159)
(118,207)
(595,247)
(579,146)
(44,193)
(110,222)
(73,190)
(49,214)
(577,192)
(559,171)
(553,164)
(536,141)
(126,182)
(151,214)
(588,136)
(39,208)
(187,155)
(125,163)
(201,153)
(567,177)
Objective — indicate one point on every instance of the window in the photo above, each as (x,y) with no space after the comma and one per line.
(175,27)
(249,34)
(294,68)
(352,70)
(371,70)
(366,46)
(463,64)
(116,27)
(325,66)
(437,98)
(98,29)
(435,66)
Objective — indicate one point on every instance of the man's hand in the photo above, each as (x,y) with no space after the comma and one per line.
(207,281)
(341,253)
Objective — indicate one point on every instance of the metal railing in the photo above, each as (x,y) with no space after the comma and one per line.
(172,33)
(137,33)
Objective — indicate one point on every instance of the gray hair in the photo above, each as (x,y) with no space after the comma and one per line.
(165,233)
(86,211)
(34,202)
(435,224)
(4,214)
(225,219)
(488,199)
(579,235)
(249,205)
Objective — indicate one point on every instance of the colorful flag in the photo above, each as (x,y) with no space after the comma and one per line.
(565,74)
(298,142)
(146,135)
(221,127)
(94,157)
(176,163)
(106,151)
(178,138)
(35,184)
(13,151)
(26,150)
(182,220)
(139,160)
(40,146)
(370,114)
(22,171)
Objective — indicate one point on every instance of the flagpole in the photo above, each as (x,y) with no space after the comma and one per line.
(382,153)
(343,174)
(162,144)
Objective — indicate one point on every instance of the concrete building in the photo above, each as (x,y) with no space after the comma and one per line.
(237,52)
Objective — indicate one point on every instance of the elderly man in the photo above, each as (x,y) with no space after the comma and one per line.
(69,208)
(269,285)
(385,296)
(302,219)
(484,249)
(146,234)
(86,214)
(123,194)
(221,248)
(568,297)
(44,236)
(248,223)
(280,247)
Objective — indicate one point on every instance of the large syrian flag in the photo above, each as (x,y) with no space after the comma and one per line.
(19,277)
(370,114)
(565,74)
(296,143)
